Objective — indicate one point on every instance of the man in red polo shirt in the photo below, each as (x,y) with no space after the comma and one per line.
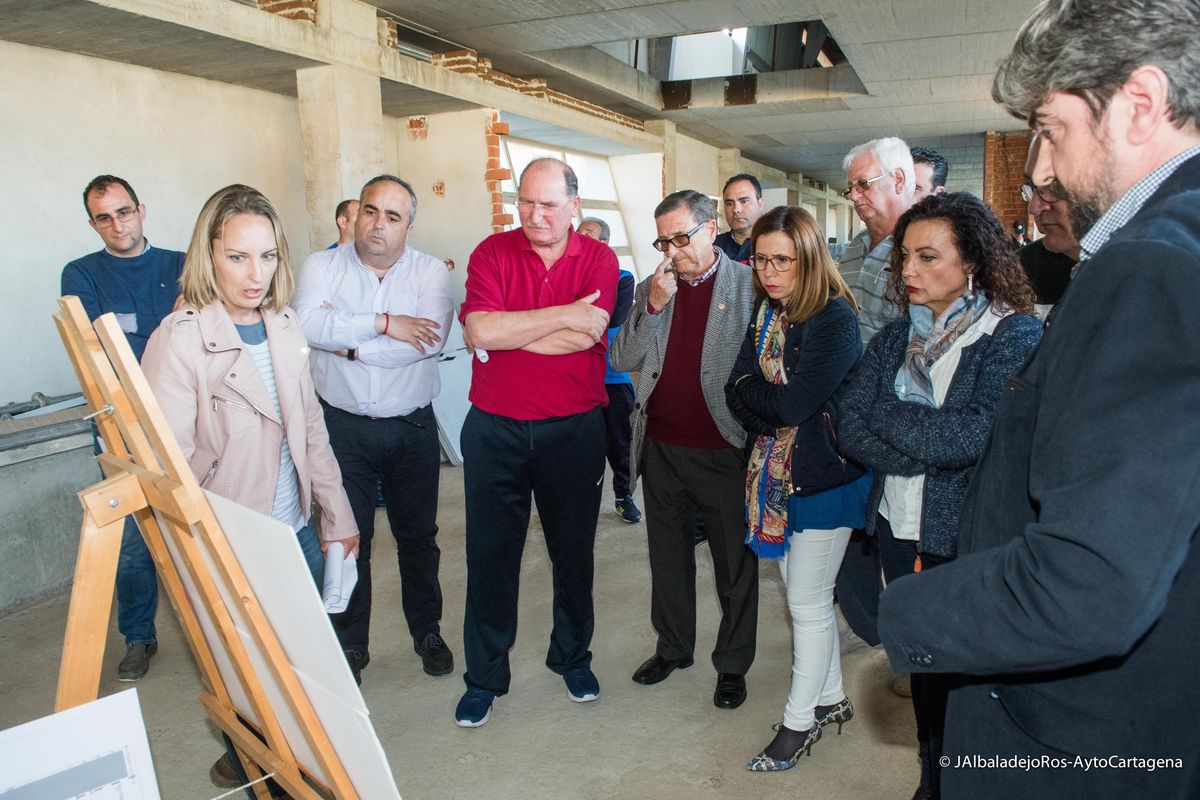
(536,312)
(683,335)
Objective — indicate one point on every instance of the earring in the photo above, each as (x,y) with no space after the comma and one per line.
(971,286)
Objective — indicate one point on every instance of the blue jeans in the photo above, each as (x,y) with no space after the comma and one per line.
(137,588)
(137,582)
(310,546)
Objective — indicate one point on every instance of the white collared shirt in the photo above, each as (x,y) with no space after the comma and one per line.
(337,299)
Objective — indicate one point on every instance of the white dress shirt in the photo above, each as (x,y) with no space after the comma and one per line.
(337,299)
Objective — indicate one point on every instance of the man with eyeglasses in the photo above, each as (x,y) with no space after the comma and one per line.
(682,337)
(537,309)
(1049,261)
(880,183)
(139,285)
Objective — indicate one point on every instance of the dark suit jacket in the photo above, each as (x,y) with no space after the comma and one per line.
(1073,610)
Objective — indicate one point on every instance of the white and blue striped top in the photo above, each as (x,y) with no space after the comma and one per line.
(286,507)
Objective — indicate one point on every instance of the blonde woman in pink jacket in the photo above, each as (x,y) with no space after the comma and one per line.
(230,370)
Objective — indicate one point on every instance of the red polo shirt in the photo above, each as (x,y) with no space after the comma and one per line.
(505,274)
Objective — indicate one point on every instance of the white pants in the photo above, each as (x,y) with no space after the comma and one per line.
(809,569)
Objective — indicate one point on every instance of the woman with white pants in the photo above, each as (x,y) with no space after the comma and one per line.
(802,497)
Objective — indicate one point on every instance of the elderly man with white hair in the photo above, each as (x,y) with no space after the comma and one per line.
(880,183)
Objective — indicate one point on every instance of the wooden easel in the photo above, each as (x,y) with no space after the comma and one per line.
(146,472)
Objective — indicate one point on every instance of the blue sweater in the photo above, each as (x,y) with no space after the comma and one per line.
(893,437)
(139,290)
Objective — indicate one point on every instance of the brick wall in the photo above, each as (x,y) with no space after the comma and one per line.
(1003,173)
(496,173)
(468,62)
(304,10)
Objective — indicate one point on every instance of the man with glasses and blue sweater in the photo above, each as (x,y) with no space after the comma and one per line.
(138,284)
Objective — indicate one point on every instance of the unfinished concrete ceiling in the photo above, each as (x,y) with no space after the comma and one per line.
(925,66)
(919,69)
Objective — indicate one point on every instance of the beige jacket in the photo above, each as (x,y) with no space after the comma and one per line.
(218,408)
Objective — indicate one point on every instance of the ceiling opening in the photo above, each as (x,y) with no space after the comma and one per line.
(737,51)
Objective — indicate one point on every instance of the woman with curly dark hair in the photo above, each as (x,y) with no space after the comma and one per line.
(919,408)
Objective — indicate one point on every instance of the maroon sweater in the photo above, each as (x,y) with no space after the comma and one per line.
(676,413)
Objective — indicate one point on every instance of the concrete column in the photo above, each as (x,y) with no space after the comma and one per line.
(341,131)
(666,129)
(822,215)
(795,180)
(729,163)
(844,212)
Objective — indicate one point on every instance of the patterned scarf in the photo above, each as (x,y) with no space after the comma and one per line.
(769,473)
(929,339)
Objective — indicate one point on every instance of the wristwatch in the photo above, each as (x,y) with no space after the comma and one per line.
(351,354)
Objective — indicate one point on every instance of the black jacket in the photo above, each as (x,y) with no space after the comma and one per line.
(1075,600)
(818,355)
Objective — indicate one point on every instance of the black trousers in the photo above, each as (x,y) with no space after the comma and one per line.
(860,580)
(559,463)
(930,691)
(617,432)
(678,482)
(402,456)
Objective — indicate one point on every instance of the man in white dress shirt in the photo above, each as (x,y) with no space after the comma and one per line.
(376,313)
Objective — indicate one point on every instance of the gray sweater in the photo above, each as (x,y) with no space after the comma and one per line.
(893,437)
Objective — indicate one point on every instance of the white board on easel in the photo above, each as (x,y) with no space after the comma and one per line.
(451,405)
(267,553)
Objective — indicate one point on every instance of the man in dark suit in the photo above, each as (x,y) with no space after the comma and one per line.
(1072,610)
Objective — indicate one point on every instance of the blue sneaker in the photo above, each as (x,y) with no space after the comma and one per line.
(474,708)
(582,686)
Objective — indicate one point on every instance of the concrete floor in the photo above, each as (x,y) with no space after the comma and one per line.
(664,742)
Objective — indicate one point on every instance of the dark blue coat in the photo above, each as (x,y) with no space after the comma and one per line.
(818,355)
(1073,609)
(894,437)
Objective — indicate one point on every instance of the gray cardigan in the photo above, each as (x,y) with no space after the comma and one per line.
(893,437)
(641,346)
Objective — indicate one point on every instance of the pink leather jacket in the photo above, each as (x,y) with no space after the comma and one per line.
(218,407)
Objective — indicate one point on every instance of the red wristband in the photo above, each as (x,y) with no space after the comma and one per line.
(387,320)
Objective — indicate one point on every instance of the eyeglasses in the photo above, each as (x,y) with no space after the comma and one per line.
(121,215)
(862,186)
(1046,194)
(780,263)
(546,208)
(682,240)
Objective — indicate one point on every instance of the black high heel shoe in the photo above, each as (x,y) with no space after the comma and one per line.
(764,763)
(840,712)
